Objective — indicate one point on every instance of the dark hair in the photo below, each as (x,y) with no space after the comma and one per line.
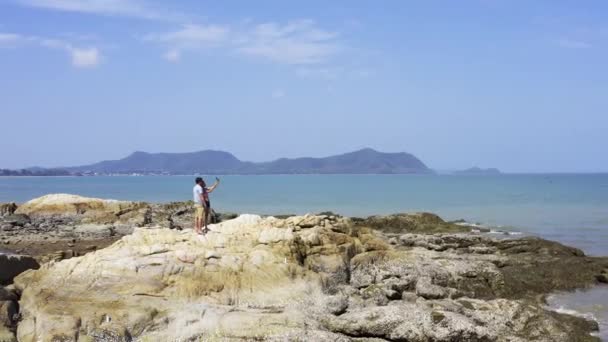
(198,180)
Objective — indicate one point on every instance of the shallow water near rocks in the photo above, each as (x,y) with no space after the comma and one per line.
(587,303)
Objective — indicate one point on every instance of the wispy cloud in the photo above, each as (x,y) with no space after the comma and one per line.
(328,74)
(85,58)
(333,73)
(189,37)
(297,42)
(129,8)
(277,94)
(173,56)
(573,44)
(81,57)
(8,38)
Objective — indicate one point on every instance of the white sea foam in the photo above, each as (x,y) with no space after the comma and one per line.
(564,310)
(484,228)
(589,304)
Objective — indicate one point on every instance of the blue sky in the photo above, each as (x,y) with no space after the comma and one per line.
(518,85)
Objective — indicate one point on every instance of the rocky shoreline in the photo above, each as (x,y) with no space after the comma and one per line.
(100,270)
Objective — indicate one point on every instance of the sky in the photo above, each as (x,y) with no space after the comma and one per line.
(515,84)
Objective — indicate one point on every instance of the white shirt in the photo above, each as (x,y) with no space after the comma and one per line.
(197,191)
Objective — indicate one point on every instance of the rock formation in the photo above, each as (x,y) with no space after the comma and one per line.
(308,278)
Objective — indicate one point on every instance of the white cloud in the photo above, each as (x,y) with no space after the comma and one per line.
(173,56)
(297,42)
(6,38)
(130,8)
(80,57)
(573,44)
(195,35)
(85,58)
(277,93)
(189,37)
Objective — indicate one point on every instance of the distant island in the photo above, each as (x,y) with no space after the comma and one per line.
(365,161)
(478,171)
(36,172)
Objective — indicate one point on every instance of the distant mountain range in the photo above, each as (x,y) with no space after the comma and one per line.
(365,161)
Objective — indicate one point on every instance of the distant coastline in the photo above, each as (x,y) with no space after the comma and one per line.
(364,161)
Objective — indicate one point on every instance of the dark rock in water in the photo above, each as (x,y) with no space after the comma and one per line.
(13,265)
(424,223)
(7,209)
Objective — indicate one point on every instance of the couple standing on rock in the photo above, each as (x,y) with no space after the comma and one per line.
(202,204)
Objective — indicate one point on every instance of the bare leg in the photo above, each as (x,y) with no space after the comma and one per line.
(206,215)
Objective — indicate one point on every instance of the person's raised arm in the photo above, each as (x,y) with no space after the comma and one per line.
(211,188)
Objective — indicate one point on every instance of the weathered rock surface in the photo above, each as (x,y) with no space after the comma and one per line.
(55,227)
(314,277)
(425,223)
(84,209)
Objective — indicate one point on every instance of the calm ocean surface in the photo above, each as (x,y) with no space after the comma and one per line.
(569,208)
(572,209)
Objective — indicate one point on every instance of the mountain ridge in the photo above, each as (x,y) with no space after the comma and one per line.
(364,161)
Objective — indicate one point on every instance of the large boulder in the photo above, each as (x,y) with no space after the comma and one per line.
(154,282)
(13,265)
(84,209)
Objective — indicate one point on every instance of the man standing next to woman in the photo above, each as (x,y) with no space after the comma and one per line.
(202,204)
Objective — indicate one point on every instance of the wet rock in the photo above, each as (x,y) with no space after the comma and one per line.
(16,220)
(12,265)
(602,278)
(424,223)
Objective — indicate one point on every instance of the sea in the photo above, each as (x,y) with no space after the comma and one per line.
(569,208)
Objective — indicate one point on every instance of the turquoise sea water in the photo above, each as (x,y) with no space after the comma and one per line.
(569,208)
